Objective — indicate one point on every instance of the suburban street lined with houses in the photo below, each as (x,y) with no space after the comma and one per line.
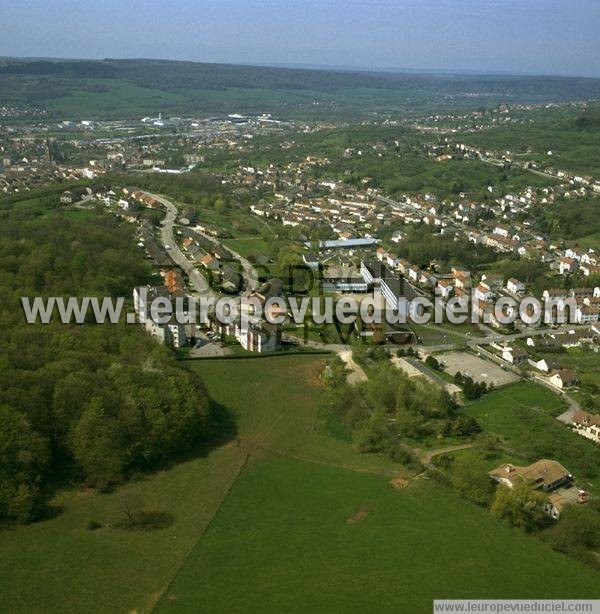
(357,374)
(198,281)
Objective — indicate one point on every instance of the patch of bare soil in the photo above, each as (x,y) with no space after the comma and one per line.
(399,482)
(359,515)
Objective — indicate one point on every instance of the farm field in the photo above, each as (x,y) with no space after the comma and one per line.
(113,95)
(300,537)
(522,416)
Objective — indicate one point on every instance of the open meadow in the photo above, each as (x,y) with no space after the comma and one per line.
(298,537)
(281,517)
(66,567)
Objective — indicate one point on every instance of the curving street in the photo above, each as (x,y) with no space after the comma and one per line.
(197,280)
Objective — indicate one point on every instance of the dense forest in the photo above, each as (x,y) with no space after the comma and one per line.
(89,404)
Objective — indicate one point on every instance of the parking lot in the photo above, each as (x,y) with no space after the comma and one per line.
(480,369)
(208,346)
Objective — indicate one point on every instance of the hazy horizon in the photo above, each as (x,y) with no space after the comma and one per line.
(536,37)
(324,67)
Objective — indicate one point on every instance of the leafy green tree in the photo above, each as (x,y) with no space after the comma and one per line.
(470,477)
(521,506)
(373,436)
(24,462)
(577,529)
(98,446)
(26,503)
(432,362)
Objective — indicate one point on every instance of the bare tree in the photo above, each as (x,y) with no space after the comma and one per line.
(130,506)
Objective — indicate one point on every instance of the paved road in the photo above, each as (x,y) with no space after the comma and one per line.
(567,416)
(469,341)
(248,271)
(167,235)
(520,165)
(198,280)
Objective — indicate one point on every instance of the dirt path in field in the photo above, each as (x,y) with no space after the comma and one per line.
(426,456)
(357,374)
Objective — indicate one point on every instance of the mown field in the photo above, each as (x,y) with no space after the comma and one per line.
(281,517)
(298,537)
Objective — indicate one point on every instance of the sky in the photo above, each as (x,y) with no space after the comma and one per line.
(515,36)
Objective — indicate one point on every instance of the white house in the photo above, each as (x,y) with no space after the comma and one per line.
(413,273)
(483,293)
(444,288)
(587,425)
(567,265)
(514,355)
(514,286)
(585,314)
(563,378)
(546,365)
(493,281)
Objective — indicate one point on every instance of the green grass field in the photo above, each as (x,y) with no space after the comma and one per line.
(59,566)
(275,402)
(114,95)
(276,500)
(298,537)
(432,335)
(522,415)
(589,242)
(247,246)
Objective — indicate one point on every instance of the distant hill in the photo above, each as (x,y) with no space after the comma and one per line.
(129,87)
